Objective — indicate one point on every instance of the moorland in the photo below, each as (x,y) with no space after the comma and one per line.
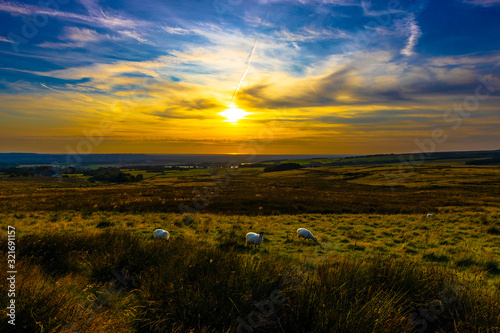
(86,260)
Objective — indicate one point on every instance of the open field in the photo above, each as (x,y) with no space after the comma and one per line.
(379,260)
(468,242)
(369,190)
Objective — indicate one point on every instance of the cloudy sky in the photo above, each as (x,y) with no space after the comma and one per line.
(281,76)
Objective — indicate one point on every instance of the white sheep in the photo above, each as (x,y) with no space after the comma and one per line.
(255,239)
(161,234)
(306,234)
(430,215)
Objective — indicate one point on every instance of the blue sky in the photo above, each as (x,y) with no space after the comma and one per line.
(331,76)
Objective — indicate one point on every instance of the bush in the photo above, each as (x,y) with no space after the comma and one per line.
(109,174)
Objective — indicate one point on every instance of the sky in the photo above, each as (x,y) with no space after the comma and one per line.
(252,76)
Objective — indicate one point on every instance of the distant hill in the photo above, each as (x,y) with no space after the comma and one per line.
(495,160)
(19,159)
(487,157)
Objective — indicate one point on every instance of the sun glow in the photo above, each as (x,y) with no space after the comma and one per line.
(233,114)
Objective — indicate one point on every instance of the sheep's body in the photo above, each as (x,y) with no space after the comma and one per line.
(430,215)
(161,234)
(306,234)
(255,239)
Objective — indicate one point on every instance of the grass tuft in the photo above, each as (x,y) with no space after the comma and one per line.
(493,230)
(436,257)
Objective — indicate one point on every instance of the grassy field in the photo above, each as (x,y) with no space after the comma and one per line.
(337,190)
(87,262)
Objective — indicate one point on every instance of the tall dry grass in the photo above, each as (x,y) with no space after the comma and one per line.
(187,286)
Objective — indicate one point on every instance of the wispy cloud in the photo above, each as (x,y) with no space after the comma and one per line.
(98,19)
(256,21)
(75,37)
(331,2)
(412,28)
(82,34)
(3,39)
(483,3)
(310,34)
(466,60)
(367,11)
(60,46)
(135,35)
(176,30)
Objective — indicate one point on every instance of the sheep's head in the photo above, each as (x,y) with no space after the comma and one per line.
(261,234)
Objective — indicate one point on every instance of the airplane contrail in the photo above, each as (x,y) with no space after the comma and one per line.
(245,73)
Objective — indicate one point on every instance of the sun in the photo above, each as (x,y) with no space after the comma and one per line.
(233,114)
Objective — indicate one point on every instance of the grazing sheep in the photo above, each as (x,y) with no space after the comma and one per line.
(161,234)
(430,215)
(306,234)
(255,239)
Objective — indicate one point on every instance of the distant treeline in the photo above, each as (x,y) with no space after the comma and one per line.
(46,171)
(254,165)
(111,174)
(282,167)
(161,168)
(147,168)
(489,161)
(363,162)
